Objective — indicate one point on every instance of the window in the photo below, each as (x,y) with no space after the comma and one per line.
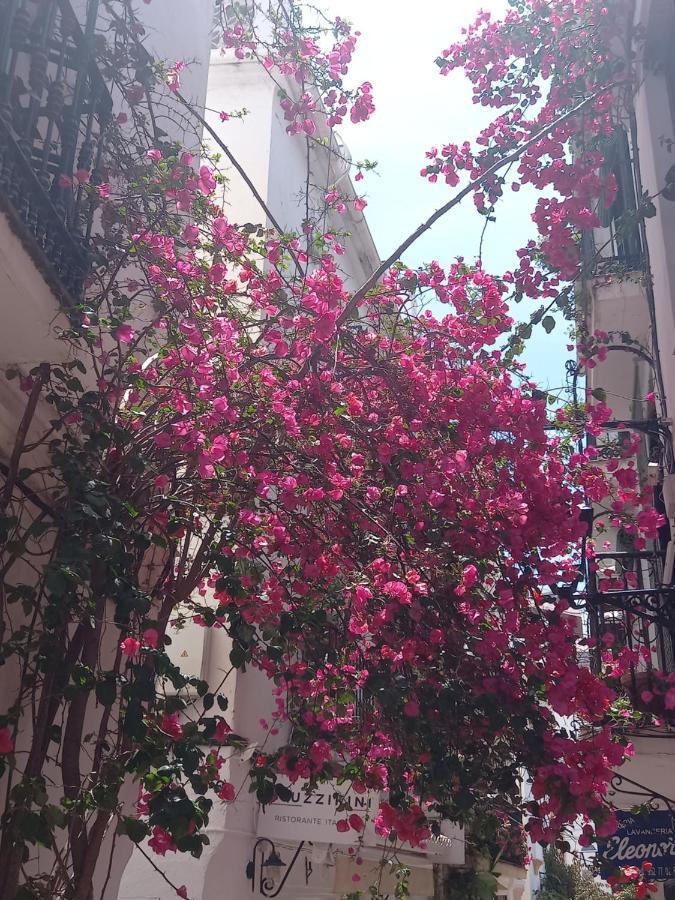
(624,233)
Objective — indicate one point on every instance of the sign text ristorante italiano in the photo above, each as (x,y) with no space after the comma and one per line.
(313,815)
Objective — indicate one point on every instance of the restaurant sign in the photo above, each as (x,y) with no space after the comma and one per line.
(312,815)
(649,837)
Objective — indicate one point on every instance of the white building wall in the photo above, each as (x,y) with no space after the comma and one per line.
(32,315)
(180,30)
(655,128)
(277,163)
(624,307)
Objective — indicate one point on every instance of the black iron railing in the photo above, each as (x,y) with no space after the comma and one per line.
(54,109)
(630,581)
(626,600)
(617,246)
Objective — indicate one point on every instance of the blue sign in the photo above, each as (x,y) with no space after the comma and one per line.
(649,837)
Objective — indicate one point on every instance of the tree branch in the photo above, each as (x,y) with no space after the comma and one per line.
(22,433)
(237,165)
(455,201)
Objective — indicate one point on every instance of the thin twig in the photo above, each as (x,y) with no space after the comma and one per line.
(157,868)
(22,433)
(237,165)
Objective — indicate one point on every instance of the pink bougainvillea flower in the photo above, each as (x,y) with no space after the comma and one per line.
(161,841)
(206,182)
(162,482)
(130,646)
(173,76)
(124,334)
(227,792)
(222,730)
(190,234)
(411,708)
(151,638)
(6,741)
(171,725)
(356,822)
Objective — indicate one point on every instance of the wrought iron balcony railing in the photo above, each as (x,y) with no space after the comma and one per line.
(630,581)
(54,109)
(616,246)
(626,601)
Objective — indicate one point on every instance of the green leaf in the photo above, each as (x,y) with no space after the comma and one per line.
(134,829)
(668,193)
(670,175)
(54,816)
(202,687)
(56,583)
(647,208)
(106,691)
(599,394)
(133,720)
(238,656)
(283,793)
(548,324)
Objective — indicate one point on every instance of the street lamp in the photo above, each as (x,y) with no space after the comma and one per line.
(263,871)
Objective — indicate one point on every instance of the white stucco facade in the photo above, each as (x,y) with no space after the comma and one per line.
(642,308)
(33,312)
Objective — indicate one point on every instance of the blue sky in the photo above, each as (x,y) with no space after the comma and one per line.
(417,108)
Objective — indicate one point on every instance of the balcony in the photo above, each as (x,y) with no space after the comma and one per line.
(616,247)
(625,598)
(54,109)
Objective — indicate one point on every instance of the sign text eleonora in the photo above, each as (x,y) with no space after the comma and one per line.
(649,837)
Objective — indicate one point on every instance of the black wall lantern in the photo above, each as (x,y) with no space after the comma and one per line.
(267,871)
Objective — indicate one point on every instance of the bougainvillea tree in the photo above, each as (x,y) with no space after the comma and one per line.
(369,499)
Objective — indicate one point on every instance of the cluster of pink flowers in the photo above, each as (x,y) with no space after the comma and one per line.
(398,517)
(635,878)
(410,825)
(431,510)
(319,71)
(572,46)
(161,841)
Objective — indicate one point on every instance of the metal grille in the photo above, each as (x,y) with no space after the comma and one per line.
(54,109)
(625,599)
